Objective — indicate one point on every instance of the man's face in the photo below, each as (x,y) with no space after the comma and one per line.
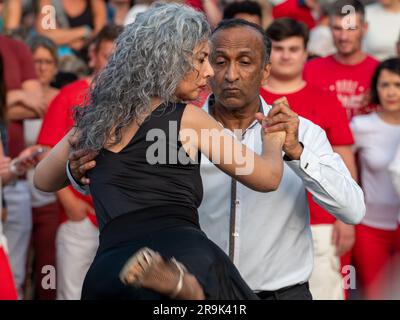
(100,56)
(288,57)
(239,70)
(348,33)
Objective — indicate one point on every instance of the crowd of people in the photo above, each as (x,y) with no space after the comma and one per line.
(84,83)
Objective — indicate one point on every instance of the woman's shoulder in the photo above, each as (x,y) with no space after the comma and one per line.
(195,117)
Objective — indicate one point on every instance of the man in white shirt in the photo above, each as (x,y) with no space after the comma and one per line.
(267,235)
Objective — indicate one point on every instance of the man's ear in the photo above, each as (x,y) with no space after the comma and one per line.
(365,27)
(265,73)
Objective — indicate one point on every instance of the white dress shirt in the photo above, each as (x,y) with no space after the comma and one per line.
(272,245)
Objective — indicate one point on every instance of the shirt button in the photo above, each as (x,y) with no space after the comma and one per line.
(235,234)
(237,202)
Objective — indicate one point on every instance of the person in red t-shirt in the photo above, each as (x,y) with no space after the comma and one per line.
(300,10)
(77,238)
(209,7)
(8,290)
(347,73)
(332,238)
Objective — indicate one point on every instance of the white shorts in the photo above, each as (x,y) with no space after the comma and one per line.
(326,282)
(76,246)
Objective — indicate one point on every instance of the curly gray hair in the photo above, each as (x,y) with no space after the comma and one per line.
(151,57)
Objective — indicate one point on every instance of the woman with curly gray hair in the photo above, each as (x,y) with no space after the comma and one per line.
(146,185)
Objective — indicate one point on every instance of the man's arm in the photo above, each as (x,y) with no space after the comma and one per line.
(79,162)
(326,176)
(343,235)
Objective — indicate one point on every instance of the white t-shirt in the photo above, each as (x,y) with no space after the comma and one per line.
(383,31)
(321,41)
(376,142)
(394,170)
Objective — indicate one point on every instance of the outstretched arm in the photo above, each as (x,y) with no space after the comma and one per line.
(322,171)
(326,176)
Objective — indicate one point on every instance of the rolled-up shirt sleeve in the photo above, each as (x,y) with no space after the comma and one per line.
(326,176)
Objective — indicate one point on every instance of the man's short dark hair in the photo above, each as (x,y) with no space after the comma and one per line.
(283,28)
(249,7)
(234,23)
(109,32)
(342,8)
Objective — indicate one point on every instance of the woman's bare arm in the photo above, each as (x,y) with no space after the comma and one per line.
(259,172)
(50,173)
(13,10)
(99,10)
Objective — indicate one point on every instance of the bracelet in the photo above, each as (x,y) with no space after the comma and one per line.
(179,286)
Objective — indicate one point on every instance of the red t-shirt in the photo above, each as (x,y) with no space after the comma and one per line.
(350,83)
(324,110)
(292,9)
(196,4)
(59,120)
(18,68)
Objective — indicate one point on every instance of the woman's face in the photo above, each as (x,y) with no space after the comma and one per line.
(195,81)
(45,65)
(388,88)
